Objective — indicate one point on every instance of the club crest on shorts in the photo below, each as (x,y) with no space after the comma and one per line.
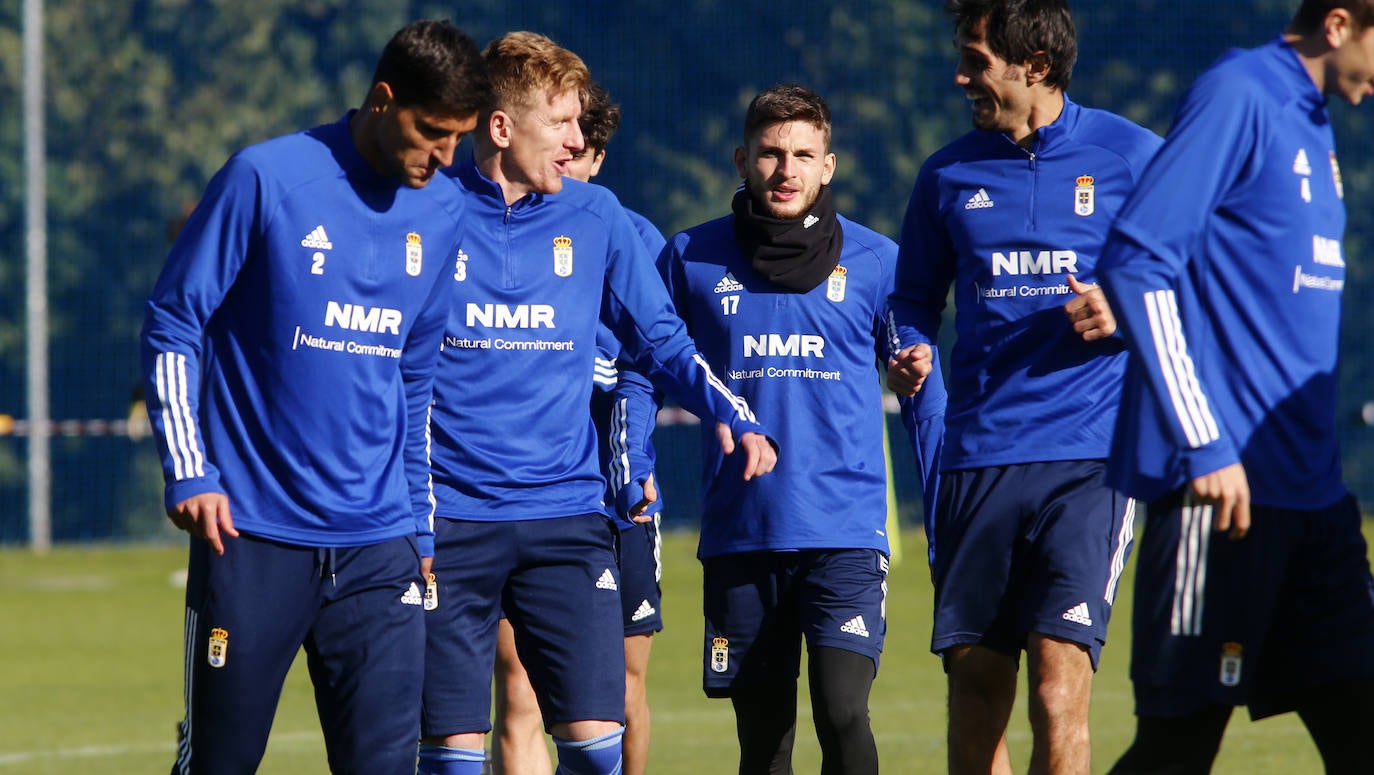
(1083,195)
(834,287)
(562,256)
(720,655)
(1230,664)
(414,255)
(218,652)
(431,593)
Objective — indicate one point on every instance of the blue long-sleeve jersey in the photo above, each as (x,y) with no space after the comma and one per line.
(812,356)
(291,341)
(1226,270)
(624,409)
(1006,225)
(513,435)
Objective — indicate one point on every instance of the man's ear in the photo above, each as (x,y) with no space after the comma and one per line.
(499,128)
(381,97)
(741,159)
(1037,68)
(1338,26)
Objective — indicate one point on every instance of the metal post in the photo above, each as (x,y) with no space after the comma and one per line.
(36,241)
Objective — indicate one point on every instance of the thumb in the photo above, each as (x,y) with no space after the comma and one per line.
(725,437)
(1076,286)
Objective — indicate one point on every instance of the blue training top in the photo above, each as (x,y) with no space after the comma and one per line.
(811,358)
(1226,272)
(513,434)
(1006,225)
(291,340)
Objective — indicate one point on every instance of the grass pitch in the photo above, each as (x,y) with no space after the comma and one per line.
(90,649)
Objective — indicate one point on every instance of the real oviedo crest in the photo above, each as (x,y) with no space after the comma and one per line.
(414,255)
(834,287)
(1083,195)
(562,256)
(217,650)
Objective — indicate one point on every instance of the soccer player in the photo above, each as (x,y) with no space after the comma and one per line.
(523,526)
(290,346)
(1029,541)
(1226,269)
(789,299)
(519,747)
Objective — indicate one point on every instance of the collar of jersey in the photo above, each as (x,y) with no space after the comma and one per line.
(489,190)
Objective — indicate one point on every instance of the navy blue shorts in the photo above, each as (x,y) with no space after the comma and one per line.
(357,611)
(641,567)
(1251,622)
(759,605)
(557,582)
(1037,547)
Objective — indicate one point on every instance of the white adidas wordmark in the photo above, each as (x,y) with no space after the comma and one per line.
(979,201)
(728,284)
(1079,614)
(607,581)
(644,611)
(810,221)
(413,596)
(855,626)
(317,239)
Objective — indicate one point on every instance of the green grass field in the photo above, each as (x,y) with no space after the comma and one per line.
(90,678)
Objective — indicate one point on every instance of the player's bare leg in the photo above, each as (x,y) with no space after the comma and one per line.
(1061,679)
(518,745)
(982,690)
(636,742)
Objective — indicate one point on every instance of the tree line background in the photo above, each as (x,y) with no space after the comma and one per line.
(145,100)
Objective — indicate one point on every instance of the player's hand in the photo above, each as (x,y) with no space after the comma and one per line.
(426,566)
(760,457)
(1227,491)
(1089,311)
(650,498)
(205,516)
(908,369)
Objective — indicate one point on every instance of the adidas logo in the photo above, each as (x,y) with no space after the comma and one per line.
(728,284)
(855,626)
(607,581)
(317,239)
(979,201)
(644,611)
(1079,614)
(412,595)
(1300,164)
(810,221)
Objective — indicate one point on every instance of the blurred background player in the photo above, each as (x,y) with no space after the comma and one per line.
(803,553)
(290,346)
(1226,268)
(522,525)
(518,747)
(1029,541)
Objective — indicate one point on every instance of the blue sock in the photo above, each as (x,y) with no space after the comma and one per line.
(441,760)
(598,756)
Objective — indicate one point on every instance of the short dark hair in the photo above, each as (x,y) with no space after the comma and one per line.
(1311,13)
(786,102)
(432,64)
(599,119)
(1016,29)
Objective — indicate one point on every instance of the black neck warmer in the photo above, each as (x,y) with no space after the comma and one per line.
(796,254)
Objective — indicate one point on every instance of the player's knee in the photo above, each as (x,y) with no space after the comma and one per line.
(599,755)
